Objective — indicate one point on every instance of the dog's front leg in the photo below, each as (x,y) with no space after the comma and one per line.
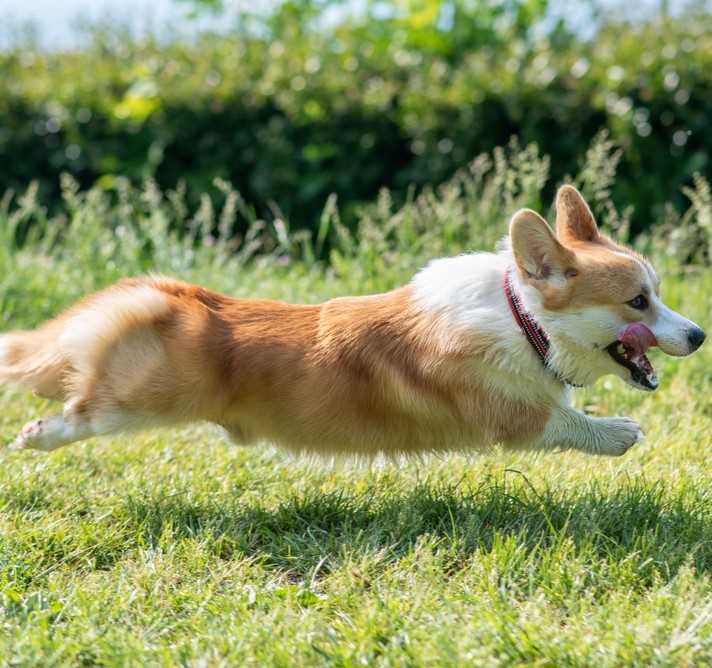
(570,429)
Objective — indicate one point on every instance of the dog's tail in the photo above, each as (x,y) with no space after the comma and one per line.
(34,359)
(49,359)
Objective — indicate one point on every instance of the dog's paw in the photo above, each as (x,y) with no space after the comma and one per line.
(29,435)
(618,435)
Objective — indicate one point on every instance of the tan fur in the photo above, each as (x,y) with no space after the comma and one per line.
(574,220)
(357,375)
(32,358)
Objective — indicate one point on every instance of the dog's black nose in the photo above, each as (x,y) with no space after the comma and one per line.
(695,337)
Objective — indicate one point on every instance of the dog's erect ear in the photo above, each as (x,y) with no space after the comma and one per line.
(537,252)
(574,220)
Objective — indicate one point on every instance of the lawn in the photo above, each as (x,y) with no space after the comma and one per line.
(174,547)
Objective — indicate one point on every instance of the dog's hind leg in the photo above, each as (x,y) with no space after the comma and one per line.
(81,419)
(50,433)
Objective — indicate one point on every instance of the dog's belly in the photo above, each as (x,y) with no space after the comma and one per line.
(399,438)
(372,428)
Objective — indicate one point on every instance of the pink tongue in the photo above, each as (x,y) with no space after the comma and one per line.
(638,337)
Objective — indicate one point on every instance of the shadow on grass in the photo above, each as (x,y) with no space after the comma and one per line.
(657,530)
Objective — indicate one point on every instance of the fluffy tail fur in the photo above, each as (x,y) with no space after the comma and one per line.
(34,359)
(49,360)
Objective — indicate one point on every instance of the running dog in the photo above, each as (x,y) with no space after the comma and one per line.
(476,350)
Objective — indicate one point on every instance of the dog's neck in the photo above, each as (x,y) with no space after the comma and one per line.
(532,329)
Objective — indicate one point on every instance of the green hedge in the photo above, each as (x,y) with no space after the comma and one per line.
(294,115)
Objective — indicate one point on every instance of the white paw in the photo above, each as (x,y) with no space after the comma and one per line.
(618,435)
(29,435)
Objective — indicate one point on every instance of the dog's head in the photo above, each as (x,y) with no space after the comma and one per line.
(599,301)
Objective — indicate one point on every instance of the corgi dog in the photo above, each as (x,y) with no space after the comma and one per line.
(476,350)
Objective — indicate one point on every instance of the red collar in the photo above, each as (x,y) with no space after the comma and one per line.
(531,329)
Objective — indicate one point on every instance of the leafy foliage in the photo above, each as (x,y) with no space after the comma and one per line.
(291,109)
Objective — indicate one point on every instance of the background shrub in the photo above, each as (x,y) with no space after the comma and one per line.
(291,110)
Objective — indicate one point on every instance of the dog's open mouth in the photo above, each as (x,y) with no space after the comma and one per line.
(629,351)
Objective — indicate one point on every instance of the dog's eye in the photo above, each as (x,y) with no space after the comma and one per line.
(640,303)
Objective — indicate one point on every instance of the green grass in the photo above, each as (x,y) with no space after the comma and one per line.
(175,548)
